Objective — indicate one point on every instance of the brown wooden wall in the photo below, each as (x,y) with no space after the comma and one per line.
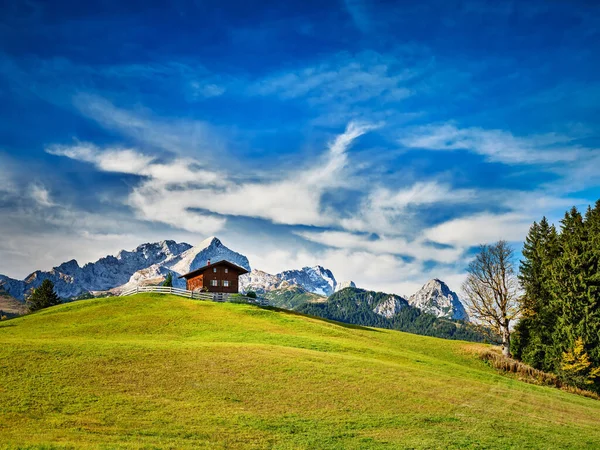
(220,275)
(204,280)
(195,283)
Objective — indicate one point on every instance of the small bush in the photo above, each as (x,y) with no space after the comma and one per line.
(576,368)
(251,294)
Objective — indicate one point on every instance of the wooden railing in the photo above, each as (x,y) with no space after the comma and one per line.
(197,295)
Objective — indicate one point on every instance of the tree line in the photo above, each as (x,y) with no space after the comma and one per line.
(555,296)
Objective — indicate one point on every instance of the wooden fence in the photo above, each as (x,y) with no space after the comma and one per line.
(197,295)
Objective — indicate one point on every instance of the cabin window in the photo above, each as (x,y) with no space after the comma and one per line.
(214,269)
(226,270)
(225,283)
(214,282)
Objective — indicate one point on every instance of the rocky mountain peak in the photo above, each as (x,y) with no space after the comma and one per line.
(211,241)
(435,297)
(344,284)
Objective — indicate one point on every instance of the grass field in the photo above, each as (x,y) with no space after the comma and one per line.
(158,371)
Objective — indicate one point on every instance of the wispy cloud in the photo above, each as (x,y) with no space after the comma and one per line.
(177,136)
(417,248)
(495,145)
(174,191)
(348,79)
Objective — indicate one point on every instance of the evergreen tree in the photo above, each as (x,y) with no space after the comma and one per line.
(560,279)
(592,280)
(568,286)
(168,280)
(534,330)
(43,297)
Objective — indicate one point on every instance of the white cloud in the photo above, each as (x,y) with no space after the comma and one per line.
(417,248)
(40,195)
(386,211)
(480,229)
(129,161)
(172,190)
(495,145)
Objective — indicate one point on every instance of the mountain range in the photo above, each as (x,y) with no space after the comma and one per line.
(150,263)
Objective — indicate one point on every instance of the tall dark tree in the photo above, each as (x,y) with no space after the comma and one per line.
(567,285)
(534,330)
(560,278)
(43,297)
(592,279)
(168,280)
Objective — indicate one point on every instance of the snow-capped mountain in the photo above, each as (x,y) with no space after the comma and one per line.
(314,279)
(71,280)
(436,298)
(317,280)
(150,263)
(260,282)
(147,264)
(191,259)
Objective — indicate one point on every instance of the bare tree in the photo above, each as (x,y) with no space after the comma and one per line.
(492,290)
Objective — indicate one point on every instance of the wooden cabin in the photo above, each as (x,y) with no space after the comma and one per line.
(221,276)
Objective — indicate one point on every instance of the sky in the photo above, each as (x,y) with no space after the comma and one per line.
(384,140)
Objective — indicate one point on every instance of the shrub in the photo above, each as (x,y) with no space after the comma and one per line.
(576,368)
(251,294)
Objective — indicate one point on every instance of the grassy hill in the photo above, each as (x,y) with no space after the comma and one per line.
(152,371)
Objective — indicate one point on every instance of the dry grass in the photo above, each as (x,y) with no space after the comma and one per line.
(527,373)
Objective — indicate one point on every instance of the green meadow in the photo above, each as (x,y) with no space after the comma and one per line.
(159,371)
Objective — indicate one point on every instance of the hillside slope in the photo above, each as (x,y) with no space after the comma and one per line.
(158,371)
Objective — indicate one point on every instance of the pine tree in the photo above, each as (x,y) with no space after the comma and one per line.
(568,286)
(168,280)
(43,297)
(592,280)
(534,330)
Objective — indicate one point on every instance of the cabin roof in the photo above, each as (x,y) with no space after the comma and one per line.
(224,262)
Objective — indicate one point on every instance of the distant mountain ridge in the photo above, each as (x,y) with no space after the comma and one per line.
(149,264)
(378,309)
(316,279)
(71,280)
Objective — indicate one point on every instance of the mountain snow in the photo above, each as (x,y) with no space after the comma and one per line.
(317,280)
(150,263)
(191,259)
(436,298)
(314,279)
(71,280)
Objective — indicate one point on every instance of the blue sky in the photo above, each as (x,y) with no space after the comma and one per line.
(384,140)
